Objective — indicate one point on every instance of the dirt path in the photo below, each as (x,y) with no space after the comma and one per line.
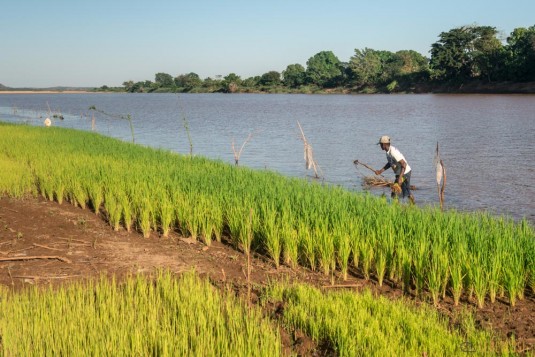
(40,233)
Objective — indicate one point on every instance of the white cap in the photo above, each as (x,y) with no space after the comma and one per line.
(385,139)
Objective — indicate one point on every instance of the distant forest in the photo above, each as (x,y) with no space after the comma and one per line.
(468,58)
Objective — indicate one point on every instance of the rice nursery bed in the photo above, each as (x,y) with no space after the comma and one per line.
(186,315)
(436,255)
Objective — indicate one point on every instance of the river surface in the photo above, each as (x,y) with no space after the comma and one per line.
(487,142)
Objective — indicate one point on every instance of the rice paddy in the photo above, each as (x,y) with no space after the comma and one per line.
(323,227)
(293,221)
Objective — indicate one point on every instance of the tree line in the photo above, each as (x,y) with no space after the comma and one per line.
(461,55)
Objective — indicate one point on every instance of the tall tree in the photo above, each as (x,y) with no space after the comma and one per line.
(294,75)
(231,83)
(324,69)
(520,51)
(164,79)
(451,55)
(188,81)
(467,52)
(366,67)
(270,78)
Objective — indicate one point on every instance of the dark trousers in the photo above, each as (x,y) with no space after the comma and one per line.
(405,185)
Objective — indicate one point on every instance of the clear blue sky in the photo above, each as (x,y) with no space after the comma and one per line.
(95,42)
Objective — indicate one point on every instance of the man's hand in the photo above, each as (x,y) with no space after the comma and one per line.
(377,172)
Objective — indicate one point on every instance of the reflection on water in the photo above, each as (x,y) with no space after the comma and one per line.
(486,141)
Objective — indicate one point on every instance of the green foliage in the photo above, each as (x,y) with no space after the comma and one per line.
(188,81)
(294,75)
(270,78)
(163,79)
(365,325)
(324,69)
(520,54)
(169,316)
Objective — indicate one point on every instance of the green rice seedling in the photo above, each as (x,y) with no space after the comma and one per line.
(325,247)
(127,210)
(343,251)
(290,240)
(272,232)
(437,267)
(180,209)
(479,279)
(514,279)
(306,245)
(59,190)
(355,242)
(406,264)
(457,275)
(495,270)
(113,209)
(144,216)
(193,217)
(419,263)
(45,187)
(217,220)
(95,195)
(205,213)
(380,266)
(165,212)
(241,222)
(77,193)
(368,256)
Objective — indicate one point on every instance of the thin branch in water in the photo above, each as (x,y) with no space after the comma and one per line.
(310,163)
(237,154)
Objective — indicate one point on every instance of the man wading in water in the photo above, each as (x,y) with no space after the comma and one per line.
(397,162)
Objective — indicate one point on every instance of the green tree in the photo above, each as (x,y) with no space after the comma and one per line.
(450,56)
(324,70)
(251,82)
(365,67)
(231,83)
(163,80)
(294,75)
(487,53)
(466,52)
(188,81)
(128,86)
(270,78)
(520,54)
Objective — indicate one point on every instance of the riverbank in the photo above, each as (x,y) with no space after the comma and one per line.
(45,92)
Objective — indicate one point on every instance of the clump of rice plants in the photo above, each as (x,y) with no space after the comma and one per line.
(360,324)
(167,317)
